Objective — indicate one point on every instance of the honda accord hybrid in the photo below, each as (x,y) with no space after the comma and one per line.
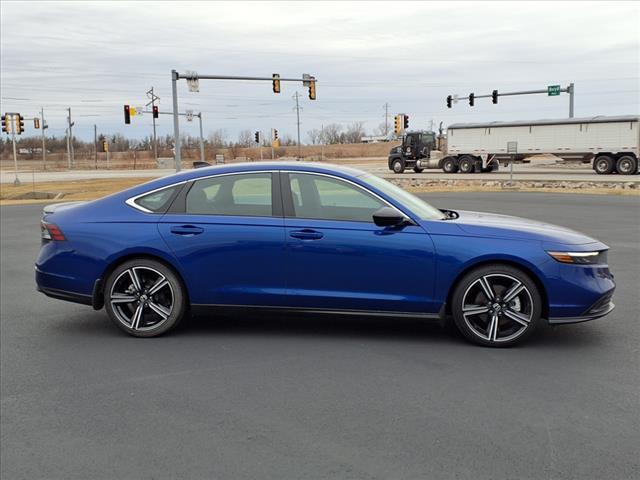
(315,238)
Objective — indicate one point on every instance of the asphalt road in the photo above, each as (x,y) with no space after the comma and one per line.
(344,398)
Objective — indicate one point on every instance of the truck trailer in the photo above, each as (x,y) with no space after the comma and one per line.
(611,144)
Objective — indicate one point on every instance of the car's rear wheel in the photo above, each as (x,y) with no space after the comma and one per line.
(144,298)
(496,306)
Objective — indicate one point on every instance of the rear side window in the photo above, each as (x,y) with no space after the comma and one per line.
(248,194)
(157,202)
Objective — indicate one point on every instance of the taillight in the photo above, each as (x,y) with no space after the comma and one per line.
(51,231)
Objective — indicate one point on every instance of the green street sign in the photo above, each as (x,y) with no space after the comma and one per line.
(553,90)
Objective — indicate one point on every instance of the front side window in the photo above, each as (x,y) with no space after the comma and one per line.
(326,198)
(247,194)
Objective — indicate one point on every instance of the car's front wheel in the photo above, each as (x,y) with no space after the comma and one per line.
(144,298)
(496,305)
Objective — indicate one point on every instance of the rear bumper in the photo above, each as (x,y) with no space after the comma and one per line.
(67,296)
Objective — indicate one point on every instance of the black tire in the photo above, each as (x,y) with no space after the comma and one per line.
(627,165)
(449,165)
(466,164)
(398,165)
(418,169)
(514,319)
(140,311)
(604,165)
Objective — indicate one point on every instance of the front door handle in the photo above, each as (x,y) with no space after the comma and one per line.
(187,230)
(306,234)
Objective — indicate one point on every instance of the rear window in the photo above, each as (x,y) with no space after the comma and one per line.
(157,201)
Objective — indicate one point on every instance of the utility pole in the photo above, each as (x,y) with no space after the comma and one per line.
(14,121)
(298,120)
(71,153)
(68,149)
(386,118)
(153,97)
(322,142)
(201,138)
(44,150)
(571,92)
(176,123)
(95,145)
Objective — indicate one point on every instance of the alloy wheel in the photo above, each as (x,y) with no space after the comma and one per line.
(497,307)
(141,298)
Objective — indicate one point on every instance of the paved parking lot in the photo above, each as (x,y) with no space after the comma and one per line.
(322,398)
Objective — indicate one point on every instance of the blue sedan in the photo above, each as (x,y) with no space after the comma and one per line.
(315,238)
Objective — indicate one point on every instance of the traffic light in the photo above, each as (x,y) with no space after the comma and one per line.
(406,121)
(5,124)
(312,88)
(36,123)
(127,115)
(20,124)
(257,137)
(156,112)
(494,96)
(449,101)
(276,83)
(472,98)
(105,146)
(396,125)
(275,134)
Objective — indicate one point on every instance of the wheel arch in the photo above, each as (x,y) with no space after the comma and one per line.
(113,263)
(527,269)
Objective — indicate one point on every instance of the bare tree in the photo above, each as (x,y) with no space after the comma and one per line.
(218,138)
(245,139)
(314,136)
(332,133)
(380,129)
(355,132)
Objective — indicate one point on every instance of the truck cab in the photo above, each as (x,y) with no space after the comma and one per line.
(415,146)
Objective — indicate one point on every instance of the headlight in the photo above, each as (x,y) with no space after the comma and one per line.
(581,258)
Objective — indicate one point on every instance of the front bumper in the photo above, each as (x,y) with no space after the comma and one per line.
(603,306)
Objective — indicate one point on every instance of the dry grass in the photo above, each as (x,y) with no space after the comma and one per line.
(92,189)
(73,190)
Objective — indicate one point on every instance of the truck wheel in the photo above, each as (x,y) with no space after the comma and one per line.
(418,169)
(603,165)
(467,164)
(627,165)
(449,165)
(398,165)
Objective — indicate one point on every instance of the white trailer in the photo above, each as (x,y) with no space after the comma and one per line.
(611,144)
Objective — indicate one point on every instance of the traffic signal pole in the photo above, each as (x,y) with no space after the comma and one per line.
(154,97)
(201,138)
(44,149)
(194,78)
(16,182)
(570,89)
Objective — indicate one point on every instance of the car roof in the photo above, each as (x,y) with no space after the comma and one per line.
(293,165)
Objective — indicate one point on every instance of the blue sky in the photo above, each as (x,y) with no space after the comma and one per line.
(97,56)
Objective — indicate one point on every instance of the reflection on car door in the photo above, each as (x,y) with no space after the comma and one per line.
(337,258)
(228,235)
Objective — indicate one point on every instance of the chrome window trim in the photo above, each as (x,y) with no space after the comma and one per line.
(131,201)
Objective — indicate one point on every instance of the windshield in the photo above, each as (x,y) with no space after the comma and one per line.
(413,203)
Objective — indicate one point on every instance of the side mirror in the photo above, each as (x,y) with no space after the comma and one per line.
(388,217)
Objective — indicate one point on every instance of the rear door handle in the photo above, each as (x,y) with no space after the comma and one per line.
(306,234)
(187,230)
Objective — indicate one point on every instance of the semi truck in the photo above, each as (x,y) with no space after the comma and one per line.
(611,144)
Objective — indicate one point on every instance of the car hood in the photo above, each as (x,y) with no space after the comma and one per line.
(505,226)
